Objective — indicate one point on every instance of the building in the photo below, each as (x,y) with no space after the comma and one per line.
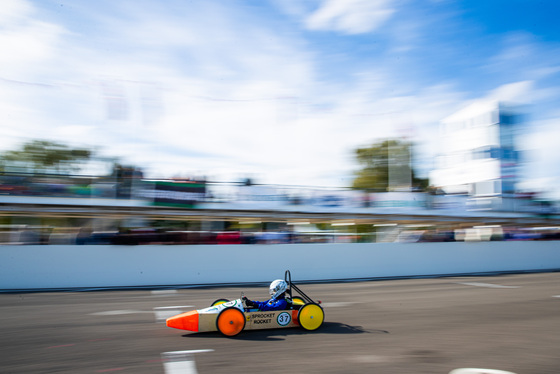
(477,150)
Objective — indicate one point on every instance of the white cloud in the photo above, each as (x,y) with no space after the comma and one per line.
(25,42)
(12,12)
(246,101)
(351,16)
(517,92)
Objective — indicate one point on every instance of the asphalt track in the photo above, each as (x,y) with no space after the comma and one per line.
(508,322)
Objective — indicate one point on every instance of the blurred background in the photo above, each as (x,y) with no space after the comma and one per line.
(322,103)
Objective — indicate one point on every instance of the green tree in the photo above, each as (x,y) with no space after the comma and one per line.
(40,156)
(386,165)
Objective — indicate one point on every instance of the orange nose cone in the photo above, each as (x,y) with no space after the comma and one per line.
(184,321)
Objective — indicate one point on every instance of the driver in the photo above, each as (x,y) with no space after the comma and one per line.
(277,299)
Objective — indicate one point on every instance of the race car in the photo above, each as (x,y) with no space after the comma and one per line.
(232,317)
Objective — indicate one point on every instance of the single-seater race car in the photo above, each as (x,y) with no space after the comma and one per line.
(232,317)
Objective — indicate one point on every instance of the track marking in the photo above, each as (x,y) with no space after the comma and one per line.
(164,312)
(556,296)
(163,292)
(373,359)
(479,371)
(338,304)
(487,285)
(181,362)
(160,313)
(117,312)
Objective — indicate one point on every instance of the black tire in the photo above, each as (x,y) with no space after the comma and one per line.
(219,301)
(230,321)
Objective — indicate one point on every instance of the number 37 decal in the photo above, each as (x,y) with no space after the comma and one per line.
(283,318)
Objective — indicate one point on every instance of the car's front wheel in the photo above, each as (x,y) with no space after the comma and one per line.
(231,321)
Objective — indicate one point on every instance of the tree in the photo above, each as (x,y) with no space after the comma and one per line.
(386,166)
(45,156)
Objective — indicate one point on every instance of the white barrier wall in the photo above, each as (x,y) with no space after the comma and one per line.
(91,266)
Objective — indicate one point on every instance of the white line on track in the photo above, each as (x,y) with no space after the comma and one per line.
(181,362)
(337,304)
(479,371)
(164,312)
(117,312)
(163,292)
(556,296)
(487,285)
(160,313)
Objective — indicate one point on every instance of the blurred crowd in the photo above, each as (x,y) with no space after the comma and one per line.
(30,235)
(39,235)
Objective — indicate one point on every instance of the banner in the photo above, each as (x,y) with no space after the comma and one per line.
(169,193)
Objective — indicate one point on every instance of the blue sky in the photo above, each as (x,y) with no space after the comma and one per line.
(280,90)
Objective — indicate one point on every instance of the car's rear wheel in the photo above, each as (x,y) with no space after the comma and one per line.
(231,321)
(219,302)
(298,300)
(311,316)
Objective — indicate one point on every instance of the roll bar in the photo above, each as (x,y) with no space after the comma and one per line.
(288,279)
